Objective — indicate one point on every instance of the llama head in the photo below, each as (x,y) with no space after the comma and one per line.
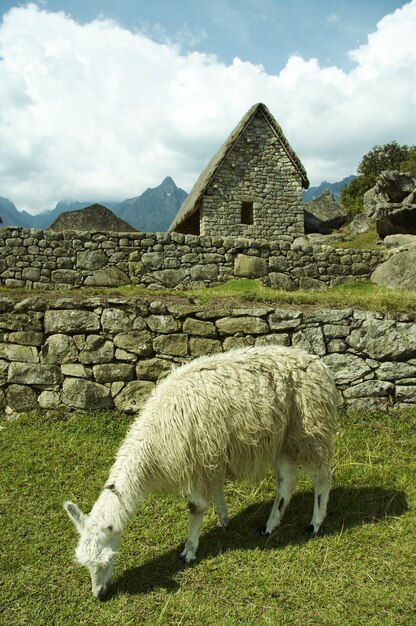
(96,550)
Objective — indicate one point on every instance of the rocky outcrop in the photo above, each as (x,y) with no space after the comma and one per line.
(104,353)
(93,218)
(394,219)
(391,204)
(323,214)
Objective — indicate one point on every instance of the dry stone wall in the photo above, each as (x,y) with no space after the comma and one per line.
(40,259)
(107,353)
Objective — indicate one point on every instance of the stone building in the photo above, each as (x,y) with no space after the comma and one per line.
(251,188)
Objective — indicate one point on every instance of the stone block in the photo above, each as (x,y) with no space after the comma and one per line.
(136,342)
(133,396)
(249,266)
(174,345)
(59,349)
(199,346)
(21,398)
(346,368)
(199,328)
(163,323)
(71,321)
(34,374)
(153,369)
(111,372)
(115,320)
(108,277)
(79,393)
(246,325)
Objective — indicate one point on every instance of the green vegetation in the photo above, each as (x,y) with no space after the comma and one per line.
(364,295)
(359,571)
(390,156)
(409,164)
(363,241)
(241,292)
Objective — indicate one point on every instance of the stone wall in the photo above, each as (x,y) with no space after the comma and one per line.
(40,259)
(96,352)
(257,170)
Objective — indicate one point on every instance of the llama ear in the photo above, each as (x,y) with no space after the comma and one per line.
(75,515)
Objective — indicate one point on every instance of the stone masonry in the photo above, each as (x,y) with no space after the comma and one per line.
(109,352)
(31,258)
(259,171)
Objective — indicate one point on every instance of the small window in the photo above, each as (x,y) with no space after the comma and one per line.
(247,213)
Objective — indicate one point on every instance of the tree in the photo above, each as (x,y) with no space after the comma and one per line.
(409,165)
(389,156)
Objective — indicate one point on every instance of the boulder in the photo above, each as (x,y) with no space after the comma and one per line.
(398,272)
(323,214)
(399,241)
(394,219)
(360,224)
(394,187)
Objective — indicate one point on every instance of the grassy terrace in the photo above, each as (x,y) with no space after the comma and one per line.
(361,295)
(361,570)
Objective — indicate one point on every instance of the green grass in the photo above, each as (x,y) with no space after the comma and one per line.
(363,241)
(361,570)
(241,292)
(363,295)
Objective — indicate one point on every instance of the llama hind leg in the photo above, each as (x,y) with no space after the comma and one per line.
(197,506)
(286,479)
(320,476)
(221,506)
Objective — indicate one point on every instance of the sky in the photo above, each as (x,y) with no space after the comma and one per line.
(100,100)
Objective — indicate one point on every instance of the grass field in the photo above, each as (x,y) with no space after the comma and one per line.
(360,571)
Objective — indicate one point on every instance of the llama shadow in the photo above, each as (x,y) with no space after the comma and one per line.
(348,507)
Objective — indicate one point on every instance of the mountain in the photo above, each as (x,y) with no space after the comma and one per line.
(44,220)
(155,209)
(11,216)
(93,218)
(152,211)
(334,188)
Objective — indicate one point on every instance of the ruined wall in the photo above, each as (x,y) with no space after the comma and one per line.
(40,259)
(257,170)
(97,352)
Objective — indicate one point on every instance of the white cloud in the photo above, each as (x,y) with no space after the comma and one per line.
(95,111)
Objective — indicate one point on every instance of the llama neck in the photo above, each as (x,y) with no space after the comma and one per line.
(127,483)
(109,510)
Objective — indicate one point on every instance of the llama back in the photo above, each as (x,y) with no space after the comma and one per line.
(226,415)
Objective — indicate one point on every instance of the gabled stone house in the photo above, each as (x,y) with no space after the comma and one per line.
(251,188)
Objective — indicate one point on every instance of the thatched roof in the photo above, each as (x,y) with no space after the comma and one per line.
(190,204)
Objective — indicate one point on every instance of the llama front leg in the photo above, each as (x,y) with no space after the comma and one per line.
(197,507)
(286,479)
(320,476)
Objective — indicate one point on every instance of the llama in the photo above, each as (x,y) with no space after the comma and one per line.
(230,415)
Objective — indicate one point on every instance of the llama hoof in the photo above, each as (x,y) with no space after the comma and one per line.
(186,557)
(310,532)
(262,532)
(224,522)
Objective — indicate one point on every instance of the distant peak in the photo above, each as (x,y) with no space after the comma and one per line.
(169,181)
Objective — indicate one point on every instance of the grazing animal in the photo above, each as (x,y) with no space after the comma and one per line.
(230,415)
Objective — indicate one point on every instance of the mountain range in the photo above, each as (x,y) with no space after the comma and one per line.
(152,211)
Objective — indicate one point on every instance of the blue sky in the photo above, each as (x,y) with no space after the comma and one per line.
(106,98)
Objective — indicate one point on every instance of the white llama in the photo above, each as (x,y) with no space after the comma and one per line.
(230,415)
